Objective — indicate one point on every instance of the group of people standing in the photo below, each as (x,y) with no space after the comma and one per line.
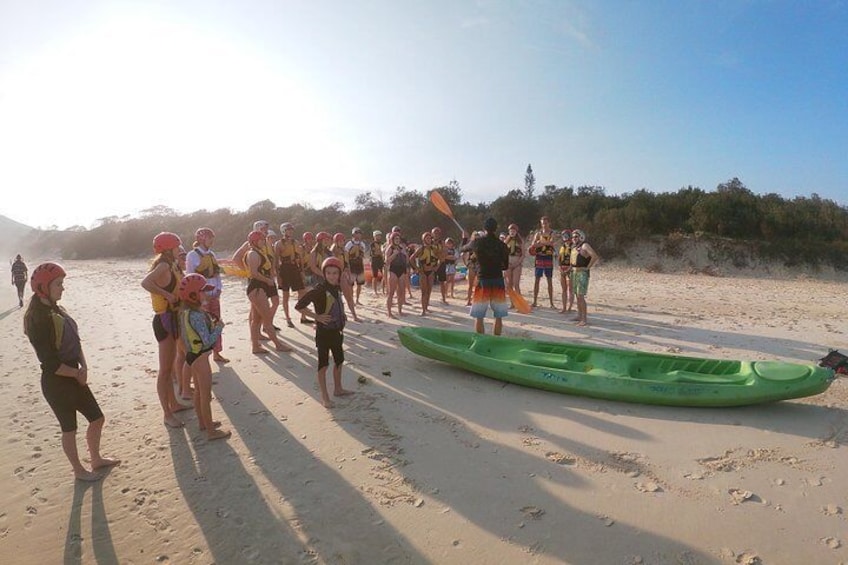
(326,272)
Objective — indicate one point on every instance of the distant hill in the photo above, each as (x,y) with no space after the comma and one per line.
(11,234)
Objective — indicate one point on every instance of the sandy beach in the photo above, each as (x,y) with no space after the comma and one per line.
(427,463)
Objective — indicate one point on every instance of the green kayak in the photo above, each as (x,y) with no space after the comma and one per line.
(617,374)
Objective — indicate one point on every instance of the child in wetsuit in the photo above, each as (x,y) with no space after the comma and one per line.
(328,314)
(199,332)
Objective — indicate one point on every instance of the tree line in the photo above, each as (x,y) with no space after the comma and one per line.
(802,230)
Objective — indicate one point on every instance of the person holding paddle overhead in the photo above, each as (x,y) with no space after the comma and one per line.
(493,259)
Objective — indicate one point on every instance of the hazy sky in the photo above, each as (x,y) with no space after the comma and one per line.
(107,108)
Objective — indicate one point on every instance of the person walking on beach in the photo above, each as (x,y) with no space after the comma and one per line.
(328,313)
(542,247)
(19,278)
(490,292)
(199,332)
(161,282)
(583,258)
(64,371)
(261,287)
(202,260)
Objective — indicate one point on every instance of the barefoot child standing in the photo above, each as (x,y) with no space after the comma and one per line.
(199,332)
(326,299)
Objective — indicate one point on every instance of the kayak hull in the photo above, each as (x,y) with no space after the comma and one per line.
(617,374)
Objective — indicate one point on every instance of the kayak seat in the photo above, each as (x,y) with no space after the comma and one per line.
(542,359)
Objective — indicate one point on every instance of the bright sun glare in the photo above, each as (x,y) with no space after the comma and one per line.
(142,108)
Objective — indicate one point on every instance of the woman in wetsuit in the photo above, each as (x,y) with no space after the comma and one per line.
(64,371)
(161,282)
(397,259)
(261,286)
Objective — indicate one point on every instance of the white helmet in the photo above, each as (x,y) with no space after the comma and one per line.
(375,233)
(286,226)
(261,225)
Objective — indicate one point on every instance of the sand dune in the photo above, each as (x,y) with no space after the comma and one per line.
(429,464)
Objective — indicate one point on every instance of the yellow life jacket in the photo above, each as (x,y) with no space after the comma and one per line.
(288,251)
(208,266)
(160,304)
(190,336)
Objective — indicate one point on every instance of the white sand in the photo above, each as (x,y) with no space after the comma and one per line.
(427,463)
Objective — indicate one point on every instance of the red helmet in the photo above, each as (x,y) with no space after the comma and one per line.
(255,237)
(43,275)
(339,238)
(332,262)
(308,236)
(191,286)
(322,235)
(202,233)
(164,241)
(425,235)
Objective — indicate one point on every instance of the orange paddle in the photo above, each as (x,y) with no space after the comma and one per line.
(519,302)
(442,206)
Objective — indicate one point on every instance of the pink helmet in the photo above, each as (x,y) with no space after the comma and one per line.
(164,241)
(322,235)
(308,236)
(339,238)
(191,286)
(43,275)
(256,237)
(331,262)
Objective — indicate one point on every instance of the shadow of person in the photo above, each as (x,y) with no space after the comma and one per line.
(101,535)
(308,487)
(237,522)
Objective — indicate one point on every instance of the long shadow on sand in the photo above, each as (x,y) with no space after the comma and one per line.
(101,536)
(308,486)
(475,463)
(610,329)
(237,528)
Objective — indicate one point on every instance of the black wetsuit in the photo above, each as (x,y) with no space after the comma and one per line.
(53,334)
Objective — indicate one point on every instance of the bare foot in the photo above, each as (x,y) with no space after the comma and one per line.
(582,323)
(103,462)
(356,319)
(563,311)
(328,403)
(342,392)
(173,422)
(180,408)
(259,351)
(218,434)
(282,347)
(220,359)
(391,315)
(87,476)
(215,424)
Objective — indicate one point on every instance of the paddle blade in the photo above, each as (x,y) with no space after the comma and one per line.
(440,203)
(519,302)
(230,268)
